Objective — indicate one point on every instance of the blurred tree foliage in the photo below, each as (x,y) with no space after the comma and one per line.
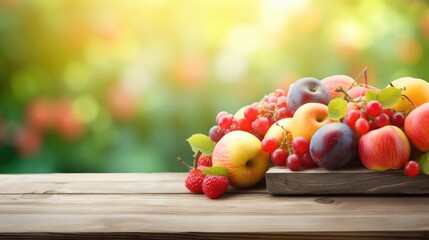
(117,86)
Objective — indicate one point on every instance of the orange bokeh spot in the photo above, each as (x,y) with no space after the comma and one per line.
(409,51)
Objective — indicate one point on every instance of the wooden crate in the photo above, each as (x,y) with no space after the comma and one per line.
(344,181)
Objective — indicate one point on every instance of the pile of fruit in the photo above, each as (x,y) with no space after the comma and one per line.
(330,123)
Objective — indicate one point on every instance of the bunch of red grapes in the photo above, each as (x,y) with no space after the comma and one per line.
(293,154)
(257,117)
(365,117)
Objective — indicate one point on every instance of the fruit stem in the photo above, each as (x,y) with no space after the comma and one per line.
(364,72)
(196,157)
(347,97)
(180,160)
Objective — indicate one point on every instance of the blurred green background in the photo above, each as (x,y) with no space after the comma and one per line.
(117,86)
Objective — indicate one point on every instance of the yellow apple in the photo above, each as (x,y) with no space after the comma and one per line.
(309,118)
(240,113)
(240,152)
(278,130)
(416,89)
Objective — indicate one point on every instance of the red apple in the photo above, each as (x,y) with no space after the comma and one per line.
(416,127)
(336,81)
(384,148)
(241,153)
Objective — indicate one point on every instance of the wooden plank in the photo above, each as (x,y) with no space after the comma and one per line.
(178,213)
(223,235)
(345,181)
(102,183)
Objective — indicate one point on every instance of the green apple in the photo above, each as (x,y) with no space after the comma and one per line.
(241,153)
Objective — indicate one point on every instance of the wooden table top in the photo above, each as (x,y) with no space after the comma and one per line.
(158,206)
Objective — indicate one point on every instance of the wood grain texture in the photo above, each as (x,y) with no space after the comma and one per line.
(344,181)
(75,206)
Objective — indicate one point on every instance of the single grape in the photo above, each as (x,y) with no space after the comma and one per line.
(270,144)
(372,125)
(388,111)
(278,157)
(294,162)
(398,119)
(283,112)
(260,126)
(374,108)
(216,133)
(271,106)
(351,117)
(412,168)
(279,92)
(300,145)
(362,126)
(282,101)
(307,161)
(225,121)
(272,99)
(220,114)
(251,113)
(244,124)
(382,120)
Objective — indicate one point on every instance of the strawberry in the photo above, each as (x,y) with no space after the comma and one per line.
(195,177)
(214,186)
(194,181)
(204,161)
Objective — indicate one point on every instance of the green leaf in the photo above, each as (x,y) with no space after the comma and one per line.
(423,160)
(216,170)
(389,96)
(371,95)
(201,142)
(337,108)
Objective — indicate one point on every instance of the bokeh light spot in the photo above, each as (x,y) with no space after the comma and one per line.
(86,107)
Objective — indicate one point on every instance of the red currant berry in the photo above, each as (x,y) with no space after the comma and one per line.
(278,157)
(294,162)
(270,144)
(412,168)
(300,145)
(362,126)
(374,108)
